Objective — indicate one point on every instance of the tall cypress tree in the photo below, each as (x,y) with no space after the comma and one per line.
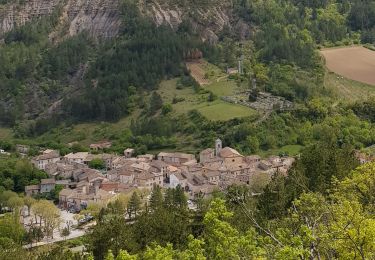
(156,200)
(169,198)
(179,198)
(134,205)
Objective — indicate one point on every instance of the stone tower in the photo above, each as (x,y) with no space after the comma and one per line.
(218,146)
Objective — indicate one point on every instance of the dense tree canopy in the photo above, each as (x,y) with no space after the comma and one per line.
(16,173)
(338,225)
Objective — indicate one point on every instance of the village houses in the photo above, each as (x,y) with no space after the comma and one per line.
(216,169)
(48,156)
(100,146)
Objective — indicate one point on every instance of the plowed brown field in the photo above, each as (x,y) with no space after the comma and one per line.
(197,72)
(356,63)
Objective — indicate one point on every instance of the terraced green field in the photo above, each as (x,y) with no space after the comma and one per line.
(223,111)
(216,110)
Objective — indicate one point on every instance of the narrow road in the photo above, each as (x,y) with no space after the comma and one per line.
(56,238)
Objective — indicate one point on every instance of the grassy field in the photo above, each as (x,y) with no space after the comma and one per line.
(5,133)
(348,90)
(223,88)
(216,110)
(220,110)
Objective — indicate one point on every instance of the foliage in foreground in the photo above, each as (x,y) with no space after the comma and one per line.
(337,224)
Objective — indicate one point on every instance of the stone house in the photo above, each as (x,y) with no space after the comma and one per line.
(31,190)
(160,166)
(207,155)
(146,157)
(176,179)
(199,179)
(204,190)
(175,158)
(253,159)
(44,159)
(127,177)
(24,149)
(231,156)
(78,199)
(288,162)
(100,146)
(62,169)
(46,185)
(231,71)
(83,174)
(114,174)
(265,165)
(275,161)
(64,196)
(64,183)
(148,180)
(121,161)
(171,170)
(115,187)
(244,178)
(140,166)
(212,177)
(233,170)
(80,157)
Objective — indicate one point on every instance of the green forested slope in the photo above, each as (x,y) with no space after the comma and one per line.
(48,87)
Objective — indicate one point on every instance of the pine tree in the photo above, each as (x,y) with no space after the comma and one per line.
(169,198)
(179,198)
(273,201)
(156,200)
(155,103)
(134,205)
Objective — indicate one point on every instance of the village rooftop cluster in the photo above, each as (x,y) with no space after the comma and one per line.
(215,169)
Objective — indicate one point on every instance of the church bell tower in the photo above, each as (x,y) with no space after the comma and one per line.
(218,146)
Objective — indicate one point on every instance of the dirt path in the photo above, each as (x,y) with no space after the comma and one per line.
(221,78)
(264,116)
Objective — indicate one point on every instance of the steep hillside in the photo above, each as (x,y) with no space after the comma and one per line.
(208,18)
(66,61)
(57,39)
(102,18)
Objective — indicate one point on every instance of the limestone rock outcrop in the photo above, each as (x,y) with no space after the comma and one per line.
(102,18)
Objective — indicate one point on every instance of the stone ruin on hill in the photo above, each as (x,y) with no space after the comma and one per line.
(264,102)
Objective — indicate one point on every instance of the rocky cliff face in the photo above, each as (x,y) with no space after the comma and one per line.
(16,14)
(101,18)
(207,21)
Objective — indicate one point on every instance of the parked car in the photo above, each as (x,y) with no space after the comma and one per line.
(86,218)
